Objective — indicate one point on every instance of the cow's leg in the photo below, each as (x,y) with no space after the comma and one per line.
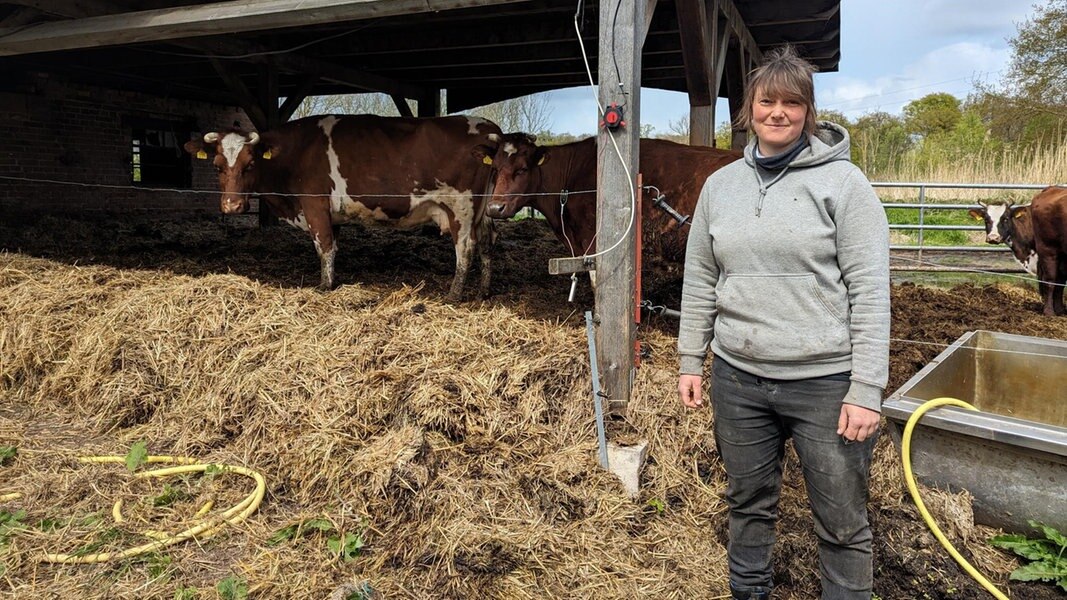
(464,254)
(1046,275)
(1061,280)
(322,233)
(486,244)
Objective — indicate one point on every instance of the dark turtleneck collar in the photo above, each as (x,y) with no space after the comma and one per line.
(782,159)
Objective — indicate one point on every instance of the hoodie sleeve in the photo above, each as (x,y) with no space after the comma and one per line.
(863,257)
(698,292)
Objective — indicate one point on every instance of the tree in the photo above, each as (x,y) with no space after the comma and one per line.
(879,140)
(932,114)
(349,104)
(527,114)
(1039,58)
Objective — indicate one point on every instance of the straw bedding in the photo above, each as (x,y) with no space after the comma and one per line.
(456,441)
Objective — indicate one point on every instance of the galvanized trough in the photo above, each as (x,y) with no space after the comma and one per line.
(1010,454)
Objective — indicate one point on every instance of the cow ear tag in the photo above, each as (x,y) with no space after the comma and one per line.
(267,155)
(541,161)
(1019,215)
(487,160)
(201,155)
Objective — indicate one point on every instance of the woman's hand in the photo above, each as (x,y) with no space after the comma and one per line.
(856,423)
(689,391)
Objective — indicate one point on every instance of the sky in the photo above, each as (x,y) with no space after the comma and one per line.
(892,52)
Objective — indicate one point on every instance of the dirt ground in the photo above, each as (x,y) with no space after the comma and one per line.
(909,562)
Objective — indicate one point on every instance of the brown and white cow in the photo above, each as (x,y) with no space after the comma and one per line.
(1011,225)
(323,171)
(558,182)
(1048,210)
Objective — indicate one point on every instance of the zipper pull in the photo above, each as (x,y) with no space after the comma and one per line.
(759,204)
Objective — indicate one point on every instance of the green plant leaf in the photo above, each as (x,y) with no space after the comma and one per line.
(1021,545)
(295,530)
(185,593)
(7,453)
(1063,583)
(232,588)
(348,549)
(136,456)
(1038,571)
(1051,534)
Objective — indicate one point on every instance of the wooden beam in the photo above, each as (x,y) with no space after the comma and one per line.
(296,98)
(650,10)
(744,36)
(617,171)
(402,106)
(210,19)
(296,63)
(238,88)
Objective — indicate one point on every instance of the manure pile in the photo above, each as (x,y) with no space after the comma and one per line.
(449,448)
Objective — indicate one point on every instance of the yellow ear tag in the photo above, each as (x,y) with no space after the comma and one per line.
(1018,215)
(267,155)
(201,155)
(541,161)
(487,160)
(977,217)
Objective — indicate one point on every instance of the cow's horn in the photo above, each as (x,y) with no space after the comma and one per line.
(532,137)
(493,137)
(253,138)
(211,137)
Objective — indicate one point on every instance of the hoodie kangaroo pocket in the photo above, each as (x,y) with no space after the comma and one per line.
(779,318)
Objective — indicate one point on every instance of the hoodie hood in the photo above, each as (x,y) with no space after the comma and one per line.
(830,142)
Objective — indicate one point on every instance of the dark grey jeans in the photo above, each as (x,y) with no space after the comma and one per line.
(753,418)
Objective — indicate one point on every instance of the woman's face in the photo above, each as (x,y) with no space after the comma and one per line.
(778,122)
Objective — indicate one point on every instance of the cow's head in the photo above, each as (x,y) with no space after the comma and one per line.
(517,160)
(997,218)
(236,156)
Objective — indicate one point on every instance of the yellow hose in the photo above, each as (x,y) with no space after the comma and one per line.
(208,527)
(905,449)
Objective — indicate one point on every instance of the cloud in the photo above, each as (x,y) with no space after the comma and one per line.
(952,69)
(986,18)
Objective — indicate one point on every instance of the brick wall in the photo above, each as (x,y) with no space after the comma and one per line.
(58,131)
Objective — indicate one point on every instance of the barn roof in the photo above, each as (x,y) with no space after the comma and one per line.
(480,51)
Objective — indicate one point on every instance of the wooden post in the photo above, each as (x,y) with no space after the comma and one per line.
(616,333)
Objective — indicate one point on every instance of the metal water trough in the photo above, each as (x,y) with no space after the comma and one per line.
(1010,454)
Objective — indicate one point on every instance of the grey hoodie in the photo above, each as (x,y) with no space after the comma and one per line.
(787,272)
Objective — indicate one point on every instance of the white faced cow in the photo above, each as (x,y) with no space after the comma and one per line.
(1011,225)
(320,172)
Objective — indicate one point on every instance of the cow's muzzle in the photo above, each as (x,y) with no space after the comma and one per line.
(500,210)
(233,205)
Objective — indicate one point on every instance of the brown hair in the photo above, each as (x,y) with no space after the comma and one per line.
(783,74)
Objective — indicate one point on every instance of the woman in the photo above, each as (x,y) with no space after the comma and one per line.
(787,284)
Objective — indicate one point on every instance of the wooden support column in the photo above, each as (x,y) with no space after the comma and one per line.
(696,35)
(430,103)
(620,47)
(268,102)
(736,72)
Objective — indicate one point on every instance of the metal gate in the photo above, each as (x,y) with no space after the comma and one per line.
(924,254)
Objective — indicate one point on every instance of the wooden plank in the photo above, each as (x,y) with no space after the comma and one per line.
(568,265)
(619,61)
(210,19)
